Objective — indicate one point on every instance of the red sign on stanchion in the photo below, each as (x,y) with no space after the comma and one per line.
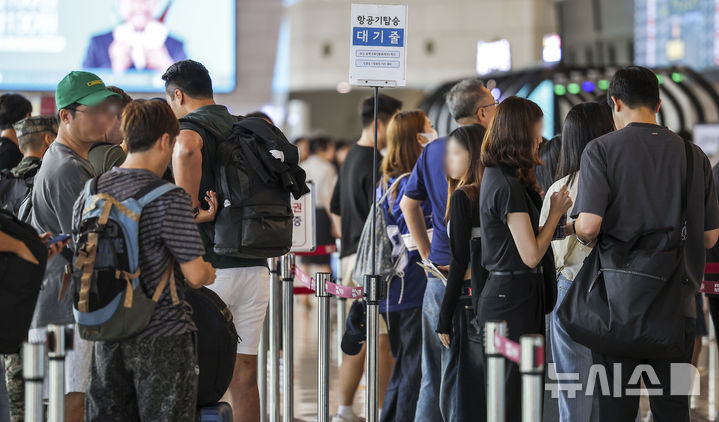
(512,351)
(710,287)
(507,347)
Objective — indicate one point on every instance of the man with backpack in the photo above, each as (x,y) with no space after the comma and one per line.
(637,190)
(35,134)
(150,374)
(83,119)
(243,283)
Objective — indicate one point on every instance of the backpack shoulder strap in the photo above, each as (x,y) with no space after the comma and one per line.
(214,132)
(392,186)
(168,276)
(153,191)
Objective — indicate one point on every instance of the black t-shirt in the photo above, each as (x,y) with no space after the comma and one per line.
(502,193)
(352,197)
(633,178)
(10,154)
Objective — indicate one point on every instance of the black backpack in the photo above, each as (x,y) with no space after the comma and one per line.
(253,187)
(14,190)
(20,283)
(216,343)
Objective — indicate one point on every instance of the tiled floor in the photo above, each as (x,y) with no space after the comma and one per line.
(305,386)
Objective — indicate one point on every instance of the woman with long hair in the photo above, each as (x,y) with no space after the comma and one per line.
(513,244)
(407,132)
(464,176)
(583,123)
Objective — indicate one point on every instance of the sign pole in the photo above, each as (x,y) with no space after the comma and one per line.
(373,294)
(287,268)
(377,59)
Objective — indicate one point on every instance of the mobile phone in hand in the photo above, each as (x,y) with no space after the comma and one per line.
(57,239)
(561,231)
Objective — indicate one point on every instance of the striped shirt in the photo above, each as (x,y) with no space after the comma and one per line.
(167,230)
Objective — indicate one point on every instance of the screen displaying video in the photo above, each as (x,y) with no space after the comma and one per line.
(128,43)
(676,32)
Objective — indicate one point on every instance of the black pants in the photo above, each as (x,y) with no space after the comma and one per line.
(665,406)
(714,309)
(465,391)
(405,338)
(515,299)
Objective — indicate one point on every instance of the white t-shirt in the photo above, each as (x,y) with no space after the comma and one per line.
(569,254)
(323,173)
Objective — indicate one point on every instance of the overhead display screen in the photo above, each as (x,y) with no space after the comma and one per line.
(128,43)
(673,32)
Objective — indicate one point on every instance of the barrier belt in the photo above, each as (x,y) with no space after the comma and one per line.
(334,289)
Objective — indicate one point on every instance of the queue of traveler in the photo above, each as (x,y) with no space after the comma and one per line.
(153,163)
(490,222)
(504,221)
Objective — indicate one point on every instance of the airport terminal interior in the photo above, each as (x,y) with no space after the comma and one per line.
(359,210)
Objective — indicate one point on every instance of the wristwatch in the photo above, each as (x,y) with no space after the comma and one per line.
(196,212)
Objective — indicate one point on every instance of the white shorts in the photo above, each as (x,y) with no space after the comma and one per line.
(77,361)
(246,291)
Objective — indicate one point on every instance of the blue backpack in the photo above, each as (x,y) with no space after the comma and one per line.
(110,304)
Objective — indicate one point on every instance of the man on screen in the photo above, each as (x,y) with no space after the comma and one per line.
(141,41)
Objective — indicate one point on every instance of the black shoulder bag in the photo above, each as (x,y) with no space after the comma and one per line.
(628,298)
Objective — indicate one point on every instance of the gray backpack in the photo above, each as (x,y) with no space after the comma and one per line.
(386,264)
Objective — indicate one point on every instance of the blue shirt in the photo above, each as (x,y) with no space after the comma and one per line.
(429,183)
(405,290)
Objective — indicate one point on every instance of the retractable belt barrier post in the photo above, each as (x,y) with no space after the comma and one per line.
(324,288)
(495,371)
(529,355)
(59,341)
(711,288)
(323,347)
(287,268)
(33,369)
(262,367)
(374,292)
(275,309)
(532,369)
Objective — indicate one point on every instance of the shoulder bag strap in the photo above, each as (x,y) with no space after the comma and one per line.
(685,189)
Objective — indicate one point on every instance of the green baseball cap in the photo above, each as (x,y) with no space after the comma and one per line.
(81,87)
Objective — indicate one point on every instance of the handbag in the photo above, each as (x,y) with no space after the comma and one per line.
(625,299)
(548,286)
(383,252)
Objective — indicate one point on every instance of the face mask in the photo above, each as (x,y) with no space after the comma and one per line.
(429,136)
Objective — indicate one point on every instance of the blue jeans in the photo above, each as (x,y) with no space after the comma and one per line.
(428,401)
(570,357)
(4,398)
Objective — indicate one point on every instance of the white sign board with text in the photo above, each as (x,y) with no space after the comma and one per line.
(378,45)
(304,236)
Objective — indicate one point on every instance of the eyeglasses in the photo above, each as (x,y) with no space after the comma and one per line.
(97,111)
(496,103)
